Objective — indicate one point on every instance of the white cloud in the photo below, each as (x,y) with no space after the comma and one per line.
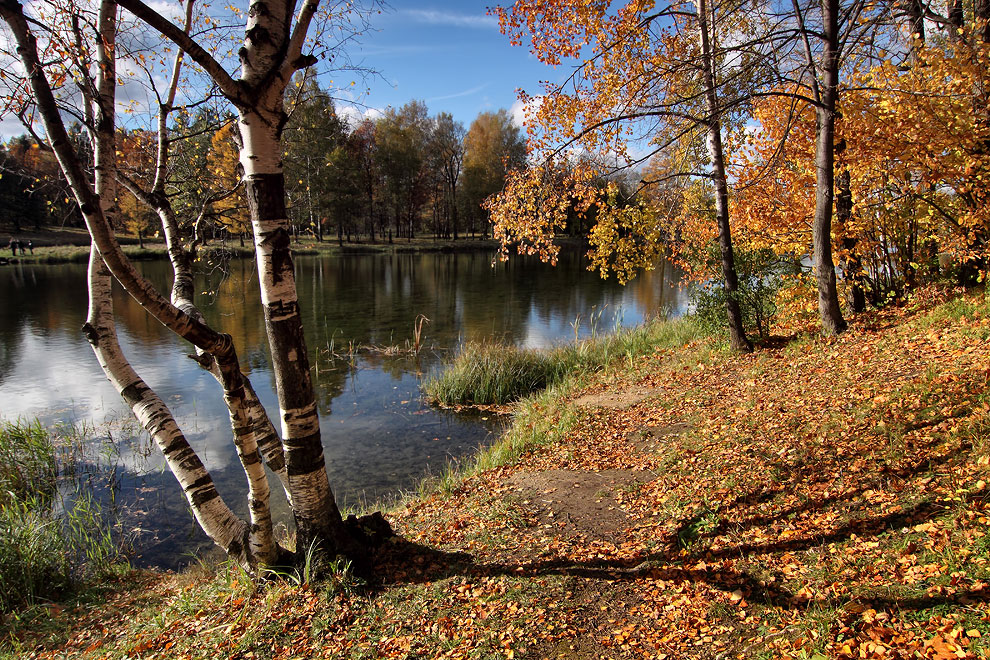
(455,95)
(10,126)
(520,110)
(354,115)
(173,11)
(434,17)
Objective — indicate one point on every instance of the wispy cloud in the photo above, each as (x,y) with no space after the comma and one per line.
(400,50)
(455,95)
(520,111)
(436,17)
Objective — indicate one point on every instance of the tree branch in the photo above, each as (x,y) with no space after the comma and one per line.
(231,88)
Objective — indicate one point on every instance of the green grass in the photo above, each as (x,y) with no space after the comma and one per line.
(52,535)
(28,466)
(484,374)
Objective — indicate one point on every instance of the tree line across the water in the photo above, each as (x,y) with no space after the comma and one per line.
(378,178)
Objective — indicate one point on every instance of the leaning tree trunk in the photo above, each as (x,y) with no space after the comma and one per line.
(737,333)
(268,59)
(316,513)
(247,543)
(213,515)
(258,423)
(821,226)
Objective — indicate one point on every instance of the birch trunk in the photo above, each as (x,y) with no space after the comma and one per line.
(213,515)
(269,57)
(713,125)
(316,514)
(228,531)
(248,544)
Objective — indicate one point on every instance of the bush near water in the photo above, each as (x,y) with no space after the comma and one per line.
(491,373)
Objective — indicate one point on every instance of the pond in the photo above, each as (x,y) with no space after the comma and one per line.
(359,312)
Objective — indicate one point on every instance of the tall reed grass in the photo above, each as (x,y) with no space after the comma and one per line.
(53,536)
(491,373)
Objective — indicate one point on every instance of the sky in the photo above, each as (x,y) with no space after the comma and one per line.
(447,53)
(451,55)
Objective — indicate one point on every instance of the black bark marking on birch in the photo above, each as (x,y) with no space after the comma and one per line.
(177,448)
(258,9)
(258,36)
(266,193)
(134,393)
(291,374)
(304,455)
(236,548)
(202,491)
(251,458)
(266,199)
(91,333)
(276,462)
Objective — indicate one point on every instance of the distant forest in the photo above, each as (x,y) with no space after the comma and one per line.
(401,173)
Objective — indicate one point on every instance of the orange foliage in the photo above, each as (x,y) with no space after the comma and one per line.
(916,145)
(224,164)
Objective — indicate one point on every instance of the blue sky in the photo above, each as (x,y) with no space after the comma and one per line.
(449,54)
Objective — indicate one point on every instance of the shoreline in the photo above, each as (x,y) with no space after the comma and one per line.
(673,504)
(73,247)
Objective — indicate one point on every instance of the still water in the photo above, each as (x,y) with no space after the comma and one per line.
(380,435)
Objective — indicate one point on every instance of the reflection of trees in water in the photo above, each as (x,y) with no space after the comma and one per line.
(376,299)
(364,299)
(36,299)
(367,299)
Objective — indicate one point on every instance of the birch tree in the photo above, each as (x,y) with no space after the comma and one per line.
(272,52)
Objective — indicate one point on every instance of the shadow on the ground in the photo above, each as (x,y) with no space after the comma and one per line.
(399,560)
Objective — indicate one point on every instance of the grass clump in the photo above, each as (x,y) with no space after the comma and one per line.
(28,461)
(484,374)
(52,539)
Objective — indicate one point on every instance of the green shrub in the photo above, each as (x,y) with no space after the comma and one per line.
(759,273)
(496,374)
(492,373)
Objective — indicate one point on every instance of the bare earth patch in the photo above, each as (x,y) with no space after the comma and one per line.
(579,502)
(617,399)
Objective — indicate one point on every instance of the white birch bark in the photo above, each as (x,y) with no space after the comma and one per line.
(213,515)
(269,57)
(248,544)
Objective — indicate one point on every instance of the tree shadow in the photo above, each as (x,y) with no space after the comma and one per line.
(402,561)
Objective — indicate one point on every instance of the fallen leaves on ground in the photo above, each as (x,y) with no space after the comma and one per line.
(824,498)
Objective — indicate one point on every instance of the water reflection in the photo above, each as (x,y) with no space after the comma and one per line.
(379,435)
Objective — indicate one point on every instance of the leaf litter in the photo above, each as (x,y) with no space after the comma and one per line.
(821,498)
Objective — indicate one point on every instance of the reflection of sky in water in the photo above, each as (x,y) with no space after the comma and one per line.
(379,434)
